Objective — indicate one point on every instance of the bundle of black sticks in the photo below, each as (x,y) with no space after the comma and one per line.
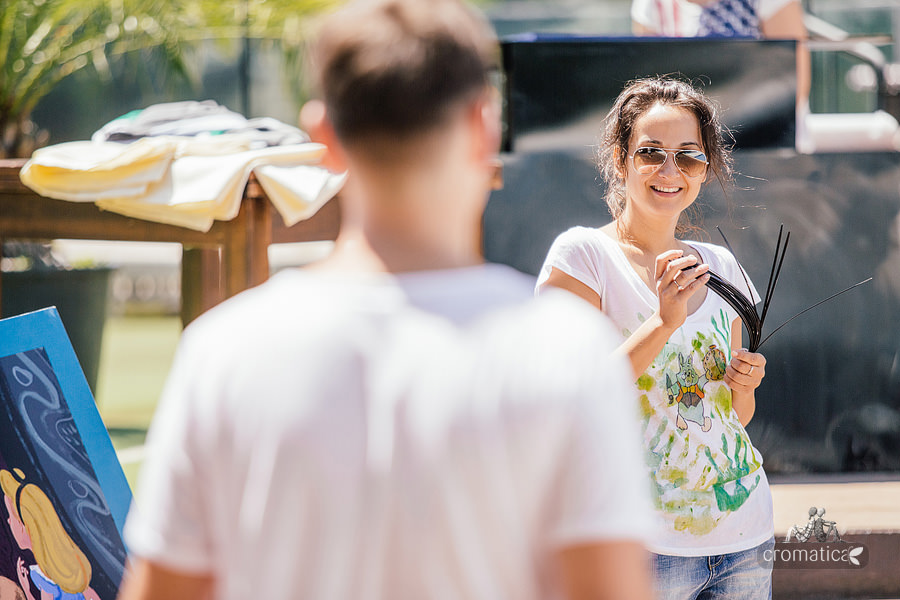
(745,306)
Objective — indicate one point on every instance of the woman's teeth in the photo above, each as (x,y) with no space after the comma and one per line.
(666,190)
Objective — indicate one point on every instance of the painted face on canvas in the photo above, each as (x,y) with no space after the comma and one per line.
(20,534)
(665,191)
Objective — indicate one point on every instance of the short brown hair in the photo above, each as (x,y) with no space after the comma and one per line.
(399,67)
(637,98)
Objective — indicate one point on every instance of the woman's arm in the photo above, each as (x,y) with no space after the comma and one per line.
(787,23)
(674,287)
(564,281)
(641,30)
(642,18)
(743,375)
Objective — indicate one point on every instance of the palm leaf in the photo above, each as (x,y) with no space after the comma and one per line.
(44,41)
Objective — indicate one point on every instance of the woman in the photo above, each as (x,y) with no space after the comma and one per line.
(757,19)
(773,19)
(695,383)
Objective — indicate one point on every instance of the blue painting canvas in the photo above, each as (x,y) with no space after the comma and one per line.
(65,496)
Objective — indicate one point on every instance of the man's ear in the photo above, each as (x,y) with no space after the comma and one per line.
(484,121)
(492,117)
(314,120)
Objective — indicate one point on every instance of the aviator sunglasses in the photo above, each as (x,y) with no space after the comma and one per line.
(648,159)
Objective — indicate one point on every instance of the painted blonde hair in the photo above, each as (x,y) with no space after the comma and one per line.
(57,555)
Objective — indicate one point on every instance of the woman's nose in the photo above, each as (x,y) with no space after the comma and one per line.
(669,167)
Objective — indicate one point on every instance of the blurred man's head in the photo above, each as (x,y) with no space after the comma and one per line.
(393,71)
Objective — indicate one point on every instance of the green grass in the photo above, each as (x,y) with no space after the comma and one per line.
(135,359)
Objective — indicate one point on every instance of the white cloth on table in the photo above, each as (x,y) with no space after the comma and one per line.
(182,180)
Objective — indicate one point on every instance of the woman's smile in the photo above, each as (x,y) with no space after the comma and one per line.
(665,189)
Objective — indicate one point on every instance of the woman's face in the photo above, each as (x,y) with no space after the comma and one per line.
(667,191)
(16,527)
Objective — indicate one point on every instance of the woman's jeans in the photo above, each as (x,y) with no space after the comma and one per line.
(737,576)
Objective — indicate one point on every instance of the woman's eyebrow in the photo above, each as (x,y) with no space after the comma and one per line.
(659,143)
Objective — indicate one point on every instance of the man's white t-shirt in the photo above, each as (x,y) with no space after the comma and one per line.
(722,18)
(708,486)
(433,434)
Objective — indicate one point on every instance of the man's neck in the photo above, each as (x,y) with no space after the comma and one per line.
(405,227)
(356,253)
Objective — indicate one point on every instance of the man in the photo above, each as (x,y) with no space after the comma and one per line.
(401,420)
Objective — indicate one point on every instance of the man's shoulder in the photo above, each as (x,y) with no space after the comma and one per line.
(558,321)
(495,298)
(287,301)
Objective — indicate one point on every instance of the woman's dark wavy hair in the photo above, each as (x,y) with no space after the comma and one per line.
(637,98)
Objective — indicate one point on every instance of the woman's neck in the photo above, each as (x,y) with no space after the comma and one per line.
(649,237)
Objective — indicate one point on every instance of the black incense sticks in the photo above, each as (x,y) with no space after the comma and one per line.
(746,308)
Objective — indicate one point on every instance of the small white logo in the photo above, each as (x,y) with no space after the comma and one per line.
(816,529)
(852,555)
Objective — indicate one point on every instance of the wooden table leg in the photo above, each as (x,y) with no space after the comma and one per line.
(201,281)
(245,258)
(258,247)
(1,276)
(209,276)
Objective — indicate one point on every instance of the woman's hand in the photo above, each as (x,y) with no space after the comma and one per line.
(743,375)
(746,371)
(22,572)
(678,277)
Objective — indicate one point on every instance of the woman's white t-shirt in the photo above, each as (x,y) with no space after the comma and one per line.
(708,485)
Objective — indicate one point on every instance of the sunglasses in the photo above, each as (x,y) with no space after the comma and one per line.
(648,159)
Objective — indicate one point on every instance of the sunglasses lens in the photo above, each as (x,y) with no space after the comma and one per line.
(691,162)
(647,160)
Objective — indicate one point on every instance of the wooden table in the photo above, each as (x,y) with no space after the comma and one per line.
(232,256)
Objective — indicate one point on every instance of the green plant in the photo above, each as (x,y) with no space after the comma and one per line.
(44,41)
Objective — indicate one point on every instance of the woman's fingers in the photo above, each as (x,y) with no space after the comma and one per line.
(747,369)
(664,260)
(700,280)
(692,276)
(679,277)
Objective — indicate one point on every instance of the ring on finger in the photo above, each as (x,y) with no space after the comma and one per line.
(750,372)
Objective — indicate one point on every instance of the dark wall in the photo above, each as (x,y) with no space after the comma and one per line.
(560,89)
